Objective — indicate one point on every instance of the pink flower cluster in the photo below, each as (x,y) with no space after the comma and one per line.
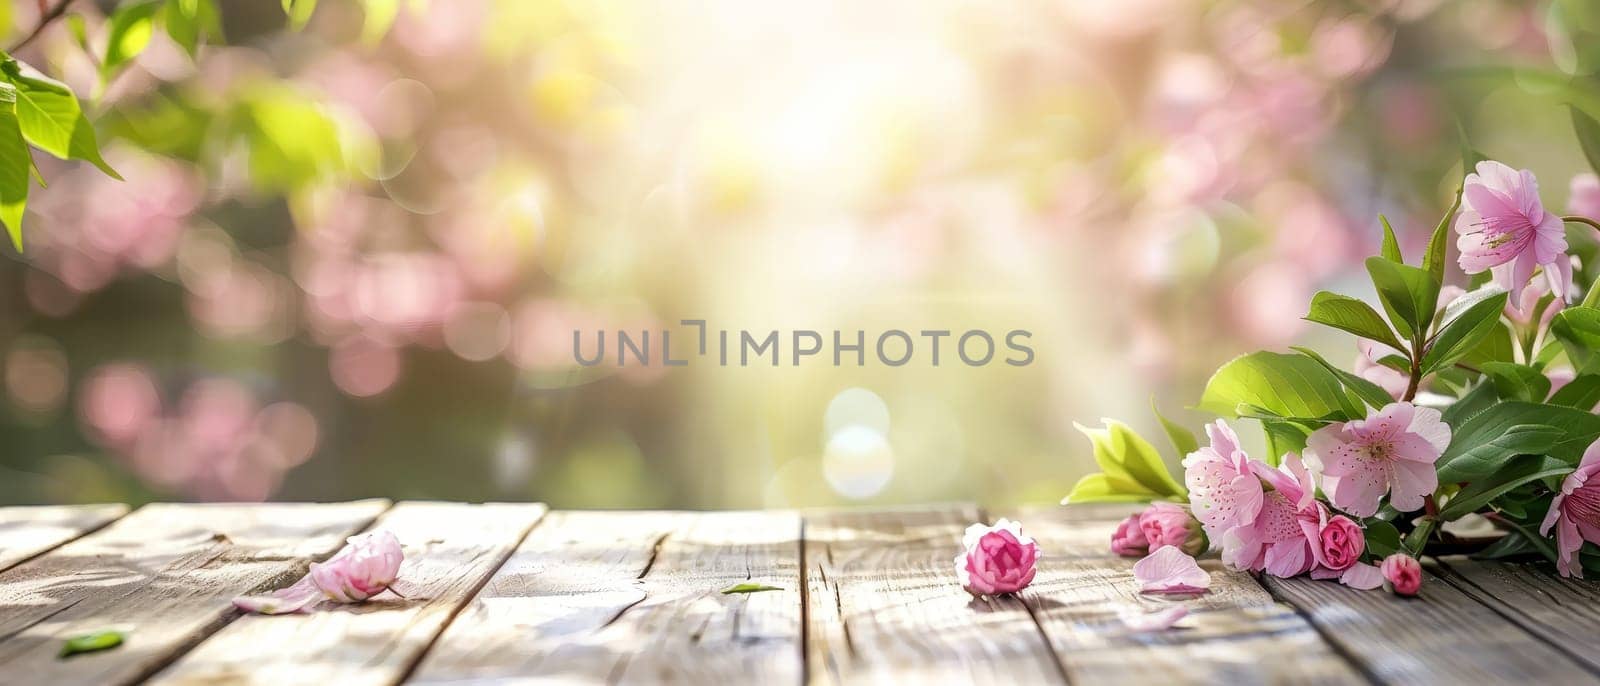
(1269,519)
(1159,525)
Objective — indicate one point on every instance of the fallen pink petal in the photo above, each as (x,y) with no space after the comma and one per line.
(1170,570)
(365,567)
(1159,620)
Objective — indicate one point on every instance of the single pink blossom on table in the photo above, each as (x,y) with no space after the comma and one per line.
(1340,543)
(1388,378)
(1128,540)
(1171,524)
(365,567)
(1505,229)
(1223,492)
(998,559)
(1282,539)
(1390,452)
(1585,198)
(1402,573)
(1575,513)
(1169,570)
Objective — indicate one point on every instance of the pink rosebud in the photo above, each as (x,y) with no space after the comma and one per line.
(1340,543)
(1402,574)
(365,567)
(998,559)
(1166,524)
(1128,540)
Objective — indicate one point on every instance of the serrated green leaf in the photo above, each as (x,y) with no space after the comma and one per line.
(1582,392)
(1578,329)
(90,642)
(1408,294)
(1124,454)
(1370,393)
(1183,440)
(1517,381)
(1391,245)
(1283,384)
(1462,330)
(749,587)
(1516,472)
(1351,315)
(15,164)
(51,118)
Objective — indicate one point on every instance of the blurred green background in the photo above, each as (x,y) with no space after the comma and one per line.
(348,261)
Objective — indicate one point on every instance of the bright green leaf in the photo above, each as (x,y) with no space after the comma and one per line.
(52,120)
(749,587)
(132,25)
(1465,324)
(1105,488)
(91,642)
(1352,315)
(1285,385)
(1183,440)
(1383,539)
(1481,444)
(1515,473)
(15,164)
(1517,381)
(1582,392)
(299,12)
(380,16)
(1433,261)
(1124,454)
(1408,294)
(1578,329)
(1370,393)
(1391,245)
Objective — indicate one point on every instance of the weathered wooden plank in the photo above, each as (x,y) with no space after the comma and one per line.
(163,574)
(885,605)
(634,597)
(1234,634)
(451,550)
(1442,636)
(1561,612)
(28,531)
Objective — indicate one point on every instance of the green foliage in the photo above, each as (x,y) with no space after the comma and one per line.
(1183,440)
(1367,392)
(1434,260)
(1578,329)
(52,119)
(90,643)
(190,22)
(1517,381)
(1466,323)
(15,165)
(1350,314)
(1588,131)
(749,587)
(1383,539)
(1582,392)
(1391,245)
(299,12)
(131,27)
(1482,444)
(1130,469)
(1408,294)
(1515,473)
(1281,384)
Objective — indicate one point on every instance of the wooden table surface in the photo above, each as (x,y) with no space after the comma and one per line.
(513,593)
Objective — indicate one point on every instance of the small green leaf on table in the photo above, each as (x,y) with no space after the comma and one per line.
(749,587)
(91,642)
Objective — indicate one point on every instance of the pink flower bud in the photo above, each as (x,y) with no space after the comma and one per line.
(1340,543)
(1165,524)
(1402,574)
(998,559)
(1129,538)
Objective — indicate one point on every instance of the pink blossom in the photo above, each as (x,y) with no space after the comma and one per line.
(1585,198)
(998,559)
(1402,573)
(1223,493)
(1505,229)
(1340,543)
(1128,540)
(1169,570)
(1367,367)
(1575,512)
(1171,524)
(1390,452)
(1282,539)
(362,569)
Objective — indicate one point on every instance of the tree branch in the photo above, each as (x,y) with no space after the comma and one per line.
(46,17)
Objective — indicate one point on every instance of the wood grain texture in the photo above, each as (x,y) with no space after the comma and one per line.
(28,531)
(1234,634)
(633,597)
(163,574)
(1562,612)
(451,549)
(1442,636)
(884,605)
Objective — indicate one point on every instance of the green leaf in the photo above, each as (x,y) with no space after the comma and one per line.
(1464,326)
(1470,405)
(1538,542)
(1391,245)
(1578,329)
(1283,384)
(380,16)
(1588,131)
(1433,261)
(91,642)
(15,164)
(188,22)
(51,118)
(132,25)
(1283,437)
(1183,440)
(1480,444)
(1408,294)
(1582,393)
(749,587)
(1105,488)
(1515,473)
(1510,545)
(1496,346)
(1370,393)
(299,12)
(1517,381)
(1383,539)
(1350,314)
(1124,454)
